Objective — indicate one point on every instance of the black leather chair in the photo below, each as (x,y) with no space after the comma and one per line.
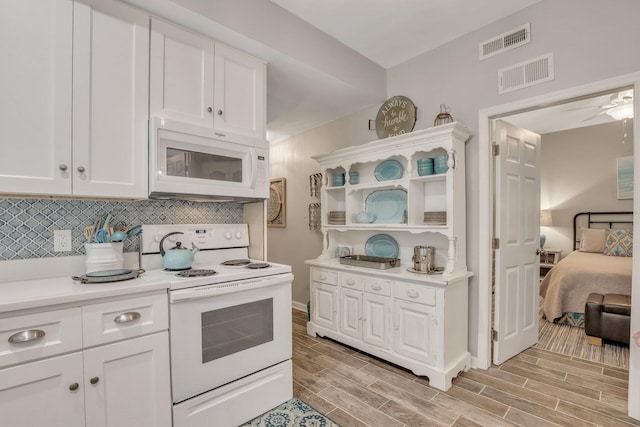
(607,317)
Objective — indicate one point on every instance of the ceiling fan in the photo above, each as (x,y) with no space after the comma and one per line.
(619,107)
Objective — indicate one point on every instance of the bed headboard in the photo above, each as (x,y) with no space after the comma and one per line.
(623,219)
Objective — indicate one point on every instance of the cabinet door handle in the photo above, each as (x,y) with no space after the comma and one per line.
(209,109)
(74,386)
(63,167)
(94,380)
(26,336)
(81,169)
(413,293)
(129,316)
(219,112)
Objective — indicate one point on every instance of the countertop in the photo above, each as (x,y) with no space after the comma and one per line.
(46,292)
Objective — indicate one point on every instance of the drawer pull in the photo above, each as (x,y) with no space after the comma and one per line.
(413,293)
(351,282)
(323,276)
(94,380)
(26,336)
(376,287)
(127,317)
(74,386)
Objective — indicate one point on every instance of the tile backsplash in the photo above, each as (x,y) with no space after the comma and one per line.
(27,225)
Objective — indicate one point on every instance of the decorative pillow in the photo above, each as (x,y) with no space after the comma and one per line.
(619,243)
(592,240)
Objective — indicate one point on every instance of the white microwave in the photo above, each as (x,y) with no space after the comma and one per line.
(195,163)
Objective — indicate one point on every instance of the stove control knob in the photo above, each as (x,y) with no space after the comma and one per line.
(238,235)
(227,235)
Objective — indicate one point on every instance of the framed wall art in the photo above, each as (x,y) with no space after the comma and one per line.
(625,177)
(276,205)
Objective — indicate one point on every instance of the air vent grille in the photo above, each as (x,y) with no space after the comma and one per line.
(525,74)
(506,41)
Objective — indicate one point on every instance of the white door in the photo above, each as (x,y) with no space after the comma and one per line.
(35,100)
(181,75)
(110,100)
(517,226)
(48,392)
(240,101)
(127,383)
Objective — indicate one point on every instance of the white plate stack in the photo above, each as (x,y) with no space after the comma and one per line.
(337,217)
(435,218)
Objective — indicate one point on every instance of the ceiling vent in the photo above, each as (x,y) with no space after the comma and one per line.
(525,74)
(506,41)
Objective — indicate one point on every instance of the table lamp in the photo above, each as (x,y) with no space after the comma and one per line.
(545,221)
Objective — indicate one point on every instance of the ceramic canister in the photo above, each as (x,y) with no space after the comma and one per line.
(103,256)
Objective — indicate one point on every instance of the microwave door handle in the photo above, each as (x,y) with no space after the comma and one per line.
(254,167)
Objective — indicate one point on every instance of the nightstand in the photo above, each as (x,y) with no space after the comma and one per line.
(548,258)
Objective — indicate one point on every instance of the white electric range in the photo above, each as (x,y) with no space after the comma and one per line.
(229,325)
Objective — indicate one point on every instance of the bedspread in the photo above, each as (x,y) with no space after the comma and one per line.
(566,286)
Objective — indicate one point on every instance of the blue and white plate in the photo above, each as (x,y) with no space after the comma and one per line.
(389,169)
(381,245)
(387,206)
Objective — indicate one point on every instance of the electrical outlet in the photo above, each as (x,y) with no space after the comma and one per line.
(62,240)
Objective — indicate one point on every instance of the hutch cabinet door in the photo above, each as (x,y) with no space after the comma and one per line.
(351,313)
(324,307)
(375,319)
(415,334)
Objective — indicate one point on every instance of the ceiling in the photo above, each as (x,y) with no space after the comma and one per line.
(328,59)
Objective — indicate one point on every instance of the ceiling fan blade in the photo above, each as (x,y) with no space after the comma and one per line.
(583,108)
(593,117)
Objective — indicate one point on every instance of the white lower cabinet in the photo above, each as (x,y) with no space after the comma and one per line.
(122,382)
(420,324)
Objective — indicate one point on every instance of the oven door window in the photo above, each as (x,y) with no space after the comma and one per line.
(230,330)
(195,164)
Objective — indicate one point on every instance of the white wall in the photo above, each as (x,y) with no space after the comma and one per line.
(291,159)
(578,174)
(578,32)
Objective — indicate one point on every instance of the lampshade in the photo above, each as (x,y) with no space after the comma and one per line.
(624,111)
(545,218)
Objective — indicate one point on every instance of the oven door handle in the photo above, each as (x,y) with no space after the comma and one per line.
(208,291)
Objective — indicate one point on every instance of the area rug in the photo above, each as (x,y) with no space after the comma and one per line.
(572,341)
(294,413)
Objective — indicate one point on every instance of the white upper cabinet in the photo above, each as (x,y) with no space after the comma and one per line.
(74,99)
(181,75)
(195,80)
(240,92)
(110,95)
(35,106)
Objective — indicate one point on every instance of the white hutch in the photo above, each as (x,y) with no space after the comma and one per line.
(415,320)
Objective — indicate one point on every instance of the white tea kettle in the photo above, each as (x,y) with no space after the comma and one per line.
(178,257)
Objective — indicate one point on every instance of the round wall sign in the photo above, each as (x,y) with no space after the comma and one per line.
(395,117)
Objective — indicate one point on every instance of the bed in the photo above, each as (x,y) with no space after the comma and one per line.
(601,262)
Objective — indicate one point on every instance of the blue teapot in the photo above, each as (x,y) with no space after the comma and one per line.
(178,257)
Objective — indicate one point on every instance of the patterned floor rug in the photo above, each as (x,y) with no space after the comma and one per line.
(294,413)
(572,341)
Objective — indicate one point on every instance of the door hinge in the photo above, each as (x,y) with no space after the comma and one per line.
(494,335)
(495,149)
(495,243)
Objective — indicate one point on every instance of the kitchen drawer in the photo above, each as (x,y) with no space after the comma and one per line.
(352,281)
(324,276)
(118,320)
(374,285)
(46,334)
(415,293)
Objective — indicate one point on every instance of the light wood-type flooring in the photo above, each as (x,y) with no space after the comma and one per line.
(536,388)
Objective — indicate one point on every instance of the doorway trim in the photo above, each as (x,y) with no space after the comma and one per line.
(485,217)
